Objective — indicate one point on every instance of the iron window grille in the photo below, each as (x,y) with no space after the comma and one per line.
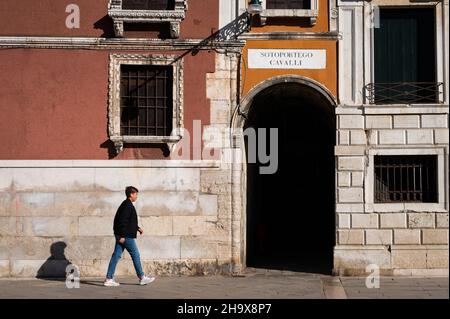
(145,93)
(406,178)
(146,100)
(404,93)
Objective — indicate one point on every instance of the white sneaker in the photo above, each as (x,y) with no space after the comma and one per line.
(146,280)
(111,283)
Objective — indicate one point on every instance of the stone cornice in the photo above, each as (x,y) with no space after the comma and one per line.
(118,44)
(106,163)
(146,15)
(289,35)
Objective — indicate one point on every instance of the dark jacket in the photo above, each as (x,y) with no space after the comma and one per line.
(126,221)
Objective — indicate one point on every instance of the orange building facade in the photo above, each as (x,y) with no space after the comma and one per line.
(287,82)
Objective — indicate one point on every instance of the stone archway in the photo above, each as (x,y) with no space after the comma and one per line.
(304,111)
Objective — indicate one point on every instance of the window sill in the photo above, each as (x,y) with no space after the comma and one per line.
(440,206)
(402,207)
(405,108)
(119,141)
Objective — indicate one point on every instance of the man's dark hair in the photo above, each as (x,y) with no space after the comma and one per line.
(130,190)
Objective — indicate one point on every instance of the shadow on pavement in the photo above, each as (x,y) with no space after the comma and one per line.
(56,265)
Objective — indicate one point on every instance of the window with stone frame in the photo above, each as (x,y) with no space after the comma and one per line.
(171,12)
(148,4)
(290,9)
(145,99)
(405,178)
(288,4)
(404,56)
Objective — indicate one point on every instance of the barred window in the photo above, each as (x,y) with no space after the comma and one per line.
(288,4)
(148,4)
(146,100)
(406,178)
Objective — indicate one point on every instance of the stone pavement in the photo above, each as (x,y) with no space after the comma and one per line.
(398,288)
(256,284)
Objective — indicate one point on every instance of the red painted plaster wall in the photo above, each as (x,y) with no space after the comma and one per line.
(54,104)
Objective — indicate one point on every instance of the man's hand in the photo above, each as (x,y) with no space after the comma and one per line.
(121,240)
(141,231)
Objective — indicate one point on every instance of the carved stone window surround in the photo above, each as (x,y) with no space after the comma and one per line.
(173,17)
(114,115)
(311,13)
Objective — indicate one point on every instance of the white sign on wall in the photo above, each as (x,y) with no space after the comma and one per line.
(287,58)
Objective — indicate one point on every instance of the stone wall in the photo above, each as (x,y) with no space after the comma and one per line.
(74,202)
(404,238)
(401,238)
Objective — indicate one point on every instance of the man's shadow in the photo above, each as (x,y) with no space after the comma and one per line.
(55,266)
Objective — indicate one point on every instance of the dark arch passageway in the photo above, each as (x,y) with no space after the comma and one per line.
(290,214)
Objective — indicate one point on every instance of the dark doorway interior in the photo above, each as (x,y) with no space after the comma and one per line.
(290,214)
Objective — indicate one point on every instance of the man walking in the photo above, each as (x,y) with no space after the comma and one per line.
(125,231)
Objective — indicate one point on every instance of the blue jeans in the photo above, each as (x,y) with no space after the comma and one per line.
(131,247)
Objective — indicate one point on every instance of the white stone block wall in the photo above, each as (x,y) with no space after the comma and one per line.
(403,239)
(180,208)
